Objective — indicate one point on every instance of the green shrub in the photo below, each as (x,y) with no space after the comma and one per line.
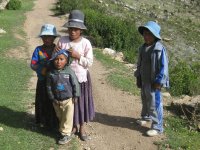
(184,79)
(67,5)
(115,33)
(14,5)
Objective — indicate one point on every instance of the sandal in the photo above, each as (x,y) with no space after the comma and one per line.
(83,137)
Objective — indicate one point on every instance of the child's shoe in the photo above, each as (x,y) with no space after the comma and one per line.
(152,132)
(64,139)
(146,118)
(141,122)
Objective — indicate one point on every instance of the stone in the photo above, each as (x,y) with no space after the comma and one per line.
(3,4)
(2,31)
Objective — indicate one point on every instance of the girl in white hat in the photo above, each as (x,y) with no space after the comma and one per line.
(44,112)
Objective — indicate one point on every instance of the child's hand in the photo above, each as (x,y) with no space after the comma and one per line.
(44,71)
(74,54)
(57,48)
(55,101)
(157,86)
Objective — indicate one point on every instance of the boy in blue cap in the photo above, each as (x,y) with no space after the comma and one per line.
(152,75)
(63,90)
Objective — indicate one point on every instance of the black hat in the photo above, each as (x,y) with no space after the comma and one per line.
(76,20)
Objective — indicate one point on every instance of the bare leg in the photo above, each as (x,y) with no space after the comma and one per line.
(75,129)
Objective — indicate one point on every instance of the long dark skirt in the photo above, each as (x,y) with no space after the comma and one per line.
(44,111)
(84,108)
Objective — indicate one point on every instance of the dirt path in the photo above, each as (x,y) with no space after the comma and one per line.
(114,127)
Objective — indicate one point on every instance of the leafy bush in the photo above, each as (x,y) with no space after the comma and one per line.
(115,33)
(14,5)
(67,5)
(184,79)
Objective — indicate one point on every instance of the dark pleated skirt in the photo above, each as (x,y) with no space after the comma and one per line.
(44,111)
(84,108)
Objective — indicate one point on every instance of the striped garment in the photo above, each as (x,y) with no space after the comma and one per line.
(40,58)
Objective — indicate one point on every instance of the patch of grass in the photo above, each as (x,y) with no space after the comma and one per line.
(178,135)
(19,131)
(119,75)
(11,24)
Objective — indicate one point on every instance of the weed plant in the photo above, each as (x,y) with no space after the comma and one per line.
(179,136)
(185,79)
(14,5)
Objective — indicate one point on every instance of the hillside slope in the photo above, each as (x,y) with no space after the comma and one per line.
(179,19)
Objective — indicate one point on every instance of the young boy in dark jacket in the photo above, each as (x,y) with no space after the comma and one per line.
(63,89)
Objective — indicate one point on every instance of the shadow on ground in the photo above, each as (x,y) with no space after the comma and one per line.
(120,121)
(16,119)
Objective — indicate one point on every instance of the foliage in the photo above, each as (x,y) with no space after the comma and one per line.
(65,6)
(184,79)
(178,135)
(14,5)
(112,32)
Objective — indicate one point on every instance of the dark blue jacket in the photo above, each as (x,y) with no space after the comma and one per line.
(62,84)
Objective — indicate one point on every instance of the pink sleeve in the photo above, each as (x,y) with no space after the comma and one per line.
(87,60)
(63,42)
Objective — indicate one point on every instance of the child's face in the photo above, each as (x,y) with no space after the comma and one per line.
(149,38)
(74,33)
(60,61)
(48,40)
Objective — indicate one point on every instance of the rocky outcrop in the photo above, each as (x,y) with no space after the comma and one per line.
(3,4)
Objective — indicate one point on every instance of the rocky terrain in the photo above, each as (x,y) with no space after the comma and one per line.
(179,20)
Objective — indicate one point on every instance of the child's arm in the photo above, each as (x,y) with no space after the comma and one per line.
(38,66)
(75,85)
(87,60)
(49,88)
(35,59)
(137,72)
(162,71)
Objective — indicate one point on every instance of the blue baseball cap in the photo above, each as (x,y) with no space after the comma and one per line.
(48,29)
(62,51)
(153,27)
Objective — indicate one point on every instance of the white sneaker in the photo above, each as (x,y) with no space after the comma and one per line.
(141,122)
(152,132)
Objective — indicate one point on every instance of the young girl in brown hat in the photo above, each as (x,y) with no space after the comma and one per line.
(81,51)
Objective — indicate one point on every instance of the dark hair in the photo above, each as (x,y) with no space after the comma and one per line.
(156,39)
